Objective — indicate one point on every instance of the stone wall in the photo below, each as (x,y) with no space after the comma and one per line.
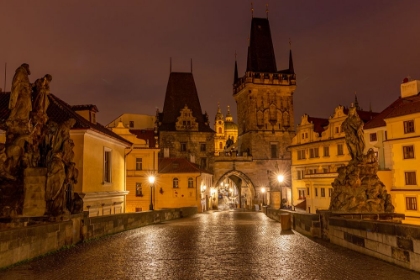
(32,238)
(392,242)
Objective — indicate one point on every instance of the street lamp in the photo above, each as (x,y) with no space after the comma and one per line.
(280,178)
(151,181)
(263,192)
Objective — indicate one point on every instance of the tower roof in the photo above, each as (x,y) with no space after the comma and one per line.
(261,56)
(180,92)
(219,115)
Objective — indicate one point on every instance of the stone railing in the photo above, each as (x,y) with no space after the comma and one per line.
(380,235)
(26,238)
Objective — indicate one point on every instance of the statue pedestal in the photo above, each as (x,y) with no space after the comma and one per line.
(34,183)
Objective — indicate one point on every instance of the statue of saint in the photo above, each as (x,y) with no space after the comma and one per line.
(229,142)
(41,89)
(20,96)
(353,128)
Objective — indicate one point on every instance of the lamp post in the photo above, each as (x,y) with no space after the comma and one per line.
(280,178)
(263,192)
(151,181)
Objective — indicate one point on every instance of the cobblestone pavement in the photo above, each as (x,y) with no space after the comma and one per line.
(214,245)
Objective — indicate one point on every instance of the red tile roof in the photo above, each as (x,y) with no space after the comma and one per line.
(90,107)
(400,107)
(178,165)
(145,134)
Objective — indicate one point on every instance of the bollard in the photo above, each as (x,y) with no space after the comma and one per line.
(285,221)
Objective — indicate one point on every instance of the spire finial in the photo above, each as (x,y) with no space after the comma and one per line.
(266,9)
(252,10)
(290,43)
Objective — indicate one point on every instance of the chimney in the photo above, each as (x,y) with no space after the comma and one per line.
(410,88)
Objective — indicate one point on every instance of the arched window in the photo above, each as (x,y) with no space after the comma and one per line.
(190,183)
(220,130)
(175,183)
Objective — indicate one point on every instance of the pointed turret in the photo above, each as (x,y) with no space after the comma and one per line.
(291,69)
(235,73)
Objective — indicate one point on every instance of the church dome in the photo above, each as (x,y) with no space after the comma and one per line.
(231,126)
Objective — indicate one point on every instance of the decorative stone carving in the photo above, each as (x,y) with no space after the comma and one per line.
(357,187)
(37,174)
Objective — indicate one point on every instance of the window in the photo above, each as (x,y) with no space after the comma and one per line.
(220,145)
(326,151)
(306,134)
(408,152)
(203,163)
(273,149)
(139,189)
(107,166)
(299,174)
(190,183)
(307,190)
(329,192)
(408,126)
(301,194)
(139,164)
(203,147)
(316,192)
(175,184)
(373,137)
(322,192)
(183,147)
(410,178)
(337,129)
(131,124)
(340,150)
(303,135)
(220,130)
(301,154)
(313,153)
(411,203)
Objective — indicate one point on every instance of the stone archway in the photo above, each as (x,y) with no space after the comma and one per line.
(234,189)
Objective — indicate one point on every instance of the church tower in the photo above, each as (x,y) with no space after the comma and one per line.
(264,97)
(219,127)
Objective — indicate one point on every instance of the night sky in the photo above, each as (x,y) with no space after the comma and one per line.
(115,54)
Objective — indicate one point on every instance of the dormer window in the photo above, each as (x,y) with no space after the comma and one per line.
(93,117)
(131,124)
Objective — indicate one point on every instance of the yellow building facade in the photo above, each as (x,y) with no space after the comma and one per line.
(395,135)
(181,183)
(141,163)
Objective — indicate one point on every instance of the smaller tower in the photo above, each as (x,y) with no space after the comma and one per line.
(219,127)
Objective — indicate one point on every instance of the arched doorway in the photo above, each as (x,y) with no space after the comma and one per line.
(234,190)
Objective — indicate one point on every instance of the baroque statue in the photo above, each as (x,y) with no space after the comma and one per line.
(37,159)
(357,188)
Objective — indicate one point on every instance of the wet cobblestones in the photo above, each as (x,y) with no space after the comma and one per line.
(215,245)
